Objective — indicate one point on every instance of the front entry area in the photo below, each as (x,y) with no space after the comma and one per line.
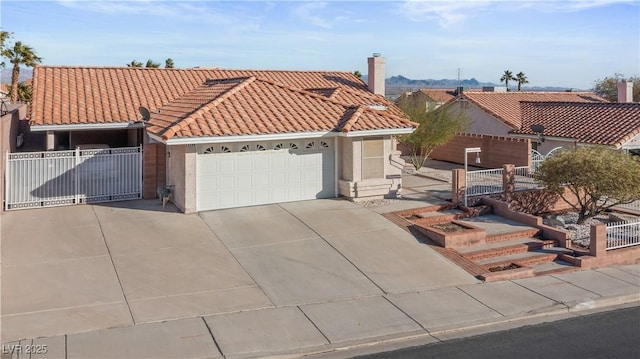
(252,173)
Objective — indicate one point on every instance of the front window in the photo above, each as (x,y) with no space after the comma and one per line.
(372,158)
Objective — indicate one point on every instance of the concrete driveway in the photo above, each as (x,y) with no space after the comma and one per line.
(82,268)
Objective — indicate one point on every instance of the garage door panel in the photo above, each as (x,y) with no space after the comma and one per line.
(294,161)
(278,195)
(226,180)
(261,163)
(244,163)
(244,198)
(225,164)
(278,179)
(243,181)
(294,178)
(279,160)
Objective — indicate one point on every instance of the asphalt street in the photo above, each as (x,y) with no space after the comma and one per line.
(613,334)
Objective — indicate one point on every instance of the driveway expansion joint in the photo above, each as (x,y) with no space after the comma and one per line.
(104,238)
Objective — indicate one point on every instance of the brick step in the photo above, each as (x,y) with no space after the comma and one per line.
(501,249)
(436,219)
(521,259)
(414,212)
(555,267)
(501,237)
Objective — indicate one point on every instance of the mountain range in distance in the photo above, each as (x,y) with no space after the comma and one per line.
(394,84)
(25,74)
(398,84)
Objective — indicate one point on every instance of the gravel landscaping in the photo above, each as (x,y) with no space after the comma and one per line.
(579,232)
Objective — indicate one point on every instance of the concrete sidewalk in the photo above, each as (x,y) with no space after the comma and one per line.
(333,328)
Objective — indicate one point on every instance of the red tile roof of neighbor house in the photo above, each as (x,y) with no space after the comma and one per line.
(505,106)
(205,102)
(595,123)
(439,95)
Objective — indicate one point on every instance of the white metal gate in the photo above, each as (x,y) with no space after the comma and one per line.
(58,178)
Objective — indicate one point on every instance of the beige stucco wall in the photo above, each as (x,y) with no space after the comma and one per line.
(352,185)
(345,156)
(633,143)
(480,121)
(181,168)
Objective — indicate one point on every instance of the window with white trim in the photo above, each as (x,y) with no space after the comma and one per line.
(372,158)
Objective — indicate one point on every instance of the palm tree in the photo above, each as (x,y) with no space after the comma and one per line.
(4,36)
(151,64)
(168,63)
(19,54)
(24,92)
(134,63)
(522,79)
(506,77)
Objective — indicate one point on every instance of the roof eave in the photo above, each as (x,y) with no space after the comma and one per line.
(379,132)
(87,126)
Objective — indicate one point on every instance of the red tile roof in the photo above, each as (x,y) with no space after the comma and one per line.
(505,106)
(253,106)
(593,123)
(439,95)
(95,95)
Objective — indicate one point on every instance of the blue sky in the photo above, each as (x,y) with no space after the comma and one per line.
(568,43)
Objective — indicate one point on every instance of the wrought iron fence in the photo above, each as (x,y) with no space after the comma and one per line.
(57,178)
(484,182)
(623,234)
(524,178)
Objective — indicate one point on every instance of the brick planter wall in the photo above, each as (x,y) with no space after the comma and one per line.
(496,150)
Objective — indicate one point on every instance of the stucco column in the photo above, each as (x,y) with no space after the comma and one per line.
(356,160)
(598,240)
(190,179)
(51,141)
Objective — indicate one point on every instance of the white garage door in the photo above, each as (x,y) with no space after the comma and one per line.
(245,174)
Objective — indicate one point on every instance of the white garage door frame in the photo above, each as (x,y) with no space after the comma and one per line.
(261,172)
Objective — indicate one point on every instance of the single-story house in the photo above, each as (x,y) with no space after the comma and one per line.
(567,124)
(426,99)
(501,113)
(233,137)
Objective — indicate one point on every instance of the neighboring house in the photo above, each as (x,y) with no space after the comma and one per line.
(426,99)
(567,124)
(233,137)
(501,113)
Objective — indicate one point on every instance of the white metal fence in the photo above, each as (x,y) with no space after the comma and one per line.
(633,206)
(58,178)
(524,179)
(623,234)
(484,182)
(536,160)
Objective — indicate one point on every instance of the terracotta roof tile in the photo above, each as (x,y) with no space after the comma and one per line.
(594,123)
(505,106)
(252,106)
(277,102)
(439,95)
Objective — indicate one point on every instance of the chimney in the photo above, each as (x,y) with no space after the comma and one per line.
(625,91)
(376,74)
